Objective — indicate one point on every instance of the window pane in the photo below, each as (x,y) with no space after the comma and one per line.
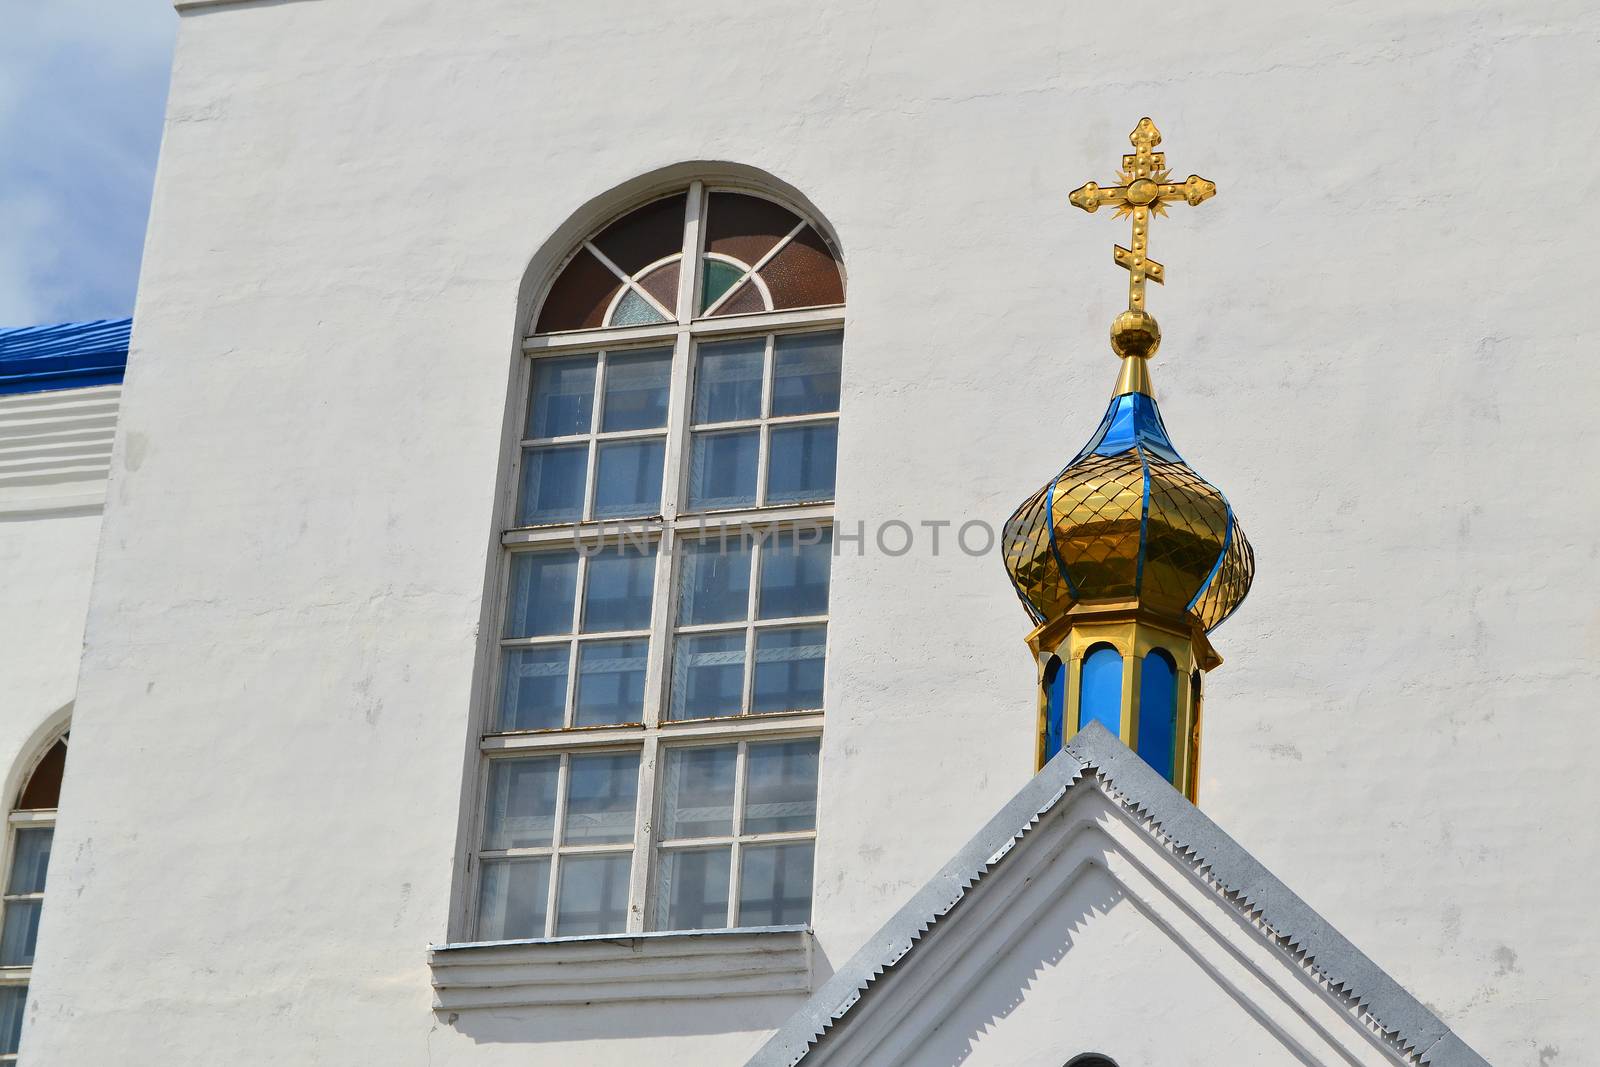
(780,791)
(594,894)
(789,669)
(805,373)
(802,463)
(543,585)
(618,590)
(634,310)
(636,390)
(521,807)
(13,1001)
(692,893)
(697,792)
(552,484)
(562,398)
(722,469)
(718,278)
(775,885)
(1100,689)
(794,575)
(727,381)
(21,933)
(43,790)
(629,479)
(31,860)
(513,898)
(601,797)
(533,694)
(708,675)
(714,581)
(611,682)
(1158,711)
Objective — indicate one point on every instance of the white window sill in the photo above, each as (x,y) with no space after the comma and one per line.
(615,968)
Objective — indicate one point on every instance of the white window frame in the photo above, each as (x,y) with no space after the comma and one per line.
(737,839)
(18,820)
(674,522)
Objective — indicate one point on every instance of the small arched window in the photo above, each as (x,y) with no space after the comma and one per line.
(1055,704)
(667,543)
(1158,711)
(1100,689)
(1091,1059)
(31,830)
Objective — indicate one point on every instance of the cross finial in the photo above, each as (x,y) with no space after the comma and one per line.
(1146,187)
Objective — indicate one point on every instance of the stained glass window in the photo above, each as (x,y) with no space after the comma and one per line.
(758,256)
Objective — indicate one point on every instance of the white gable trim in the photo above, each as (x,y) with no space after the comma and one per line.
(1181,870)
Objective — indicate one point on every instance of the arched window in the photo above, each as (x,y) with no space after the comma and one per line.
(650,730)
(1158,711)
(1055,696)
(1100,689)
(1091,1059)
(31,829)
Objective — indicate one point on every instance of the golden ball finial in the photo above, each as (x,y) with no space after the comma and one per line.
(1134,333)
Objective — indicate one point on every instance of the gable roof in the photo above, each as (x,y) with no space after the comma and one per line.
(70,355)
(1242,880)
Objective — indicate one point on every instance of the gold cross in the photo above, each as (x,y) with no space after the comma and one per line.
(1145,188)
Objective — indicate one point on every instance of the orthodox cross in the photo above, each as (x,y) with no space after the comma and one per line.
(1145,188)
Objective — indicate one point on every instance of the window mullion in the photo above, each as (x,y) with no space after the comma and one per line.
(763,446)
(768,376)
(643,833)
(735,875)
(758,554)
(563,783)
(591,472)
(656,680)
(569,714)
(693,239)
(678,412)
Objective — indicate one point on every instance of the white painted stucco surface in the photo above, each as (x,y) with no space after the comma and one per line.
(1376,343)
(55,446)
(47,562)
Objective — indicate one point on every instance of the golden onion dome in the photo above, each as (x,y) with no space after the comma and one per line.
(1128,519)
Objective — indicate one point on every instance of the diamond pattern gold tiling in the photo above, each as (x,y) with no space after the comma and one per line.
(1186,528)
(1098,507)
(1113,548)
(1227,590)
(1026,542)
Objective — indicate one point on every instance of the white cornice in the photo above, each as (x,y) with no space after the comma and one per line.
(195,5)
(613,968)
(55,450)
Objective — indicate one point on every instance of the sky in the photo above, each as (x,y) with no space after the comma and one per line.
(83,87)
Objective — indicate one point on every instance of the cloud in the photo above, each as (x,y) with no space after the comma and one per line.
(83,86)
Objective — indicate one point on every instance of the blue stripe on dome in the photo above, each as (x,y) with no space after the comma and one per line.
(1055,549)
(1227,543)
(1132,420)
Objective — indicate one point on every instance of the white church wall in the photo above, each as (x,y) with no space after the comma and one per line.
(47,563)
(1369,346)
(51,495)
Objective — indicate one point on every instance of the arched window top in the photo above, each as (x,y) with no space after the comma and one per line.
(1100,688)
(754,254)
(42,791)
(1091,1059)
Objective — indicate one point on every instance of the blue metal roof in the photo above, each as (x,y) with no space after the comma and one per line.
(68,356)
